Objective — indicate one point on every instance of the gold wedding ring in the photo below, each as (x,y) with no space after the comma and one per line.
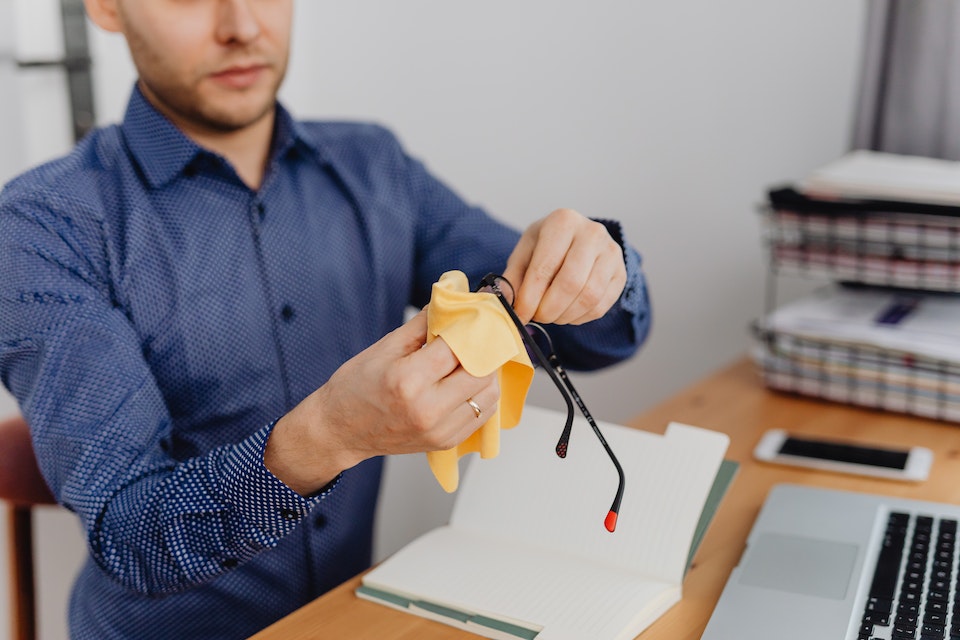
(474,406)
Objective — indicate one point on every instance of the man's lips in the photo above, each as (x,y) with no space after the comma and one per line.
(239,77)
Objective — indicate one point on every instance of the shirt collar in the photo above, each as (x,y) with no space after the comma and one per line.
(163,151)
(290,135)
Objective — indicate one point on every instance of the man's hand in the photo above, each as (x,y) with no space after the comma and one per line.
(397,396)
(566,270)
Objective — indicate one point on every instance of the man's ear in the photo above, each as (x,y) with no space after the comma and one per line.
(105,14)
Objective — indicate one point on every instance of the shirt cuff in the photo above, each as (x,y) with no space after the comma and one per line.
(634,297)
(261,498)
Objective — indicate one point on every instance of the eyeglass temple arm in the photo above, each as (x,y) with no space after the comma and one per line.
(556,372)
(611,520)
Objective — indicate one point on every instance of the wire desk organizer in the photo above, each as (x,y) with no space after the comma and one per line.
(891,246)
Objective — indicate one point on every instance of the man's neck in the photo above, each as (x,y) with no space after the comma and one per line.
(247,149)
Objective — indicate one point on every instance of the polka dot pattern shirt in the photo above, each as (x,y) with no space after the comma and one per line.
(157,316)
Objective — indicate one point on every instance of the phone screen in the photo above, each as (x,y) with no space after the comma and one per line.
(844,453)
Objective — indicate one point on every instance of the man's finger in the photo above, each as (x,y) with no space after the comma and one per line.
(566,290)
(436,358)
(547,259)
(518,261)
(410,336)
(597,291)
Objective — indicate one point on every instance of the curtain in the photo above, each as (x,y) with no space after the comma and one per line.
(909,98)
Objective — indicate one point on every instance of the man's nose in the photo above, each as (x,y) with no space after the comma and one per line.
(237,23)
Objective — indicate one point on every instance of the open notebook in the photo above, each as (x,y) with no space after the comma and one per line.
(526,554)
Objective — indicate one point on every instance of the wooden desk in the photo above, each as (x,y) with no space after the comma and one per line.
(733,401)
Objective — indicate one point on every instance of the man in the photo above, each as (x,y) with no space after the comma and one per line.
(201,315)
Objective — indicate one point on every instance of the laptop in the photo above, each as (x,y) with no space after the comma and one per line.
(823,564)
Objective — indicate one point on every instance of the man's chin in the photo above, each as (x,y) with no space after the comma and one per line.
(228,115)
(230,123)
(213,109)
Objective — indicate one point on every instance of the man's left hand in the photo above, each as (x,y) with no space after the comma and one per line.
(566,269)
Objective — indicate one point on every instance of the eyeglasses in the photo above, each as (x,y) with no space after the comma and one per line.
(551,364)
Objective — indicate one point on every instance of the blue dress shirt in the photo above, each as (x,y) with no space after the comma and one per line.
(157,316)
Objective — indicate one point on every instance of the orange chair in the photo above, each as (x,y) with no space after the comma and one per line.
(21,487)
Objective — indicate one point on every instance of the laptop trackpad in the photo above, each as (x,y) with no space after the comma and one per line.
(800,565)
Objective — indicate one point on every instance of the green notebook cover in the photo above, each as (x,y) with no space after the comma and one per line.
(725,475)
(387,597)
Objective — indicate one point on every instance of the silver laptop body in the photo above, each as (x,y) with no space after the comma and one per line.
(808,569)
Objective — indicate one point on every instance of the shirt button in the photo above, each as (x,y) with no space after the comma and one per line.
(320,521)
(289,514)
(261,210)
(287,313)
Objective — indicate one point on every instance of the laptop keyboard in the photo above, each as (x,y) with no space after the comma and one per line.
(914,594)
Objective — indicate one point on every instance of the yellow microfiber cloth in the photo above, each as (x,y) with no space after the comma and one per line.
(481,334)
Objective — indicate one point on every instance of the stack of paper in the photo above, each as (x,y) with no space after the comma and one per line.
(891,250)
(871,217)
(879,348)
(876,175)
(879,220)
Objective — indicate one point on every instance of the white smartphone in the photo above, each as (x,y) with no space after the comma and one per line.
(911,464)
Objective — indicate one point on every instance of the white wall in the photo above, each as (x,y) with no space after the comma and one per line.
(672,117)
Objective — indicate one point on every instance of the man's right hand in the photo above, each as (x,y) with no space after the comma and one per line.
(400,395)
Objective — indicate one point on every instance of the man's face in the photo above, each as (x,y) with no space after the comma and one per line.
(214,64)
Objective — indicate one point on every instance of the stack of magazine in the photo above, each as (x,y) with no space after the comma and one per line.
(893,350)
(871,217)
(886,229)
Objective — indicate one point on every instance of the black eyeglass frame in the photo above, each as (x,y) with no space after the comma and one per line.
(551,364)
